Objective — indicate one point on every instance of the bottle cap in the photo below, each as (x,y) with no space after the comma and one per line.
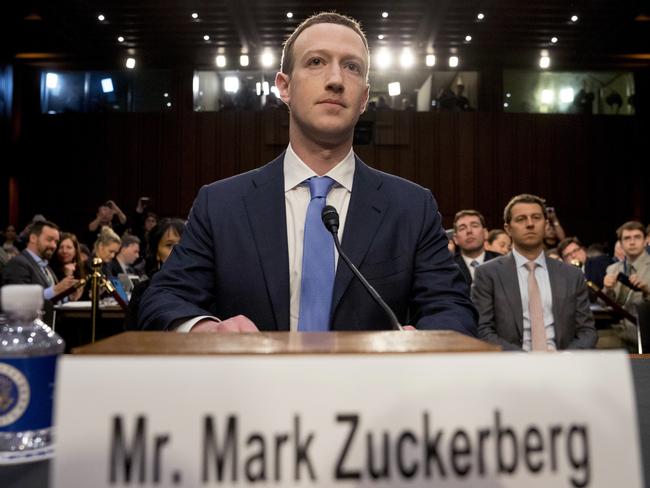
(21,298)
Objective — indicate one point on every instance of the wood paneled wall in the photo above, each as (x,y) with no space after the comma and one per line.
(592,169)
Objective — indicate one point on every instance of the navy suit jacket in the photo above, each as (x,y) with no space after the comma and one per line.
(233,258)
(465,270)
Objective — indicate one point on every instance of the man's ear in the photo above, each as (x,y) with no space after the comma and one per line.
(506,227)
(282,84)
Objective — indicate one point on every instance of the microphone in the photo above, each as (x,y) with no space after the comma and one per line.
(331,221)
(625,281)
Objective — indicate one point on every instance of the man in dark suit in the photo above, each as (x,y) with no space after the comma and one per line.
(31,265)
(574,253)
(469,236)
(255,254)
(525,301)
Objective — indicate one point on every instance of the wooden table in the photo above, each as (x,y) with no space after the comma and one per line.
(394,342)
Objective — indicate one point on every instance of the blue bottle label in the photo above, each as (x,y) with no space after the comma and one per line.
(26,393)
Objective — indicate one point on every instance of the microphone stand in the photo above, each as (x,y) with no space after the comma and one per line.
(100,282)
(331,221)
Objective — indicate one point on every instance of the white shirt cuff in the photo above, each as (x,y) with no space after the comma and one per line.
(188,324)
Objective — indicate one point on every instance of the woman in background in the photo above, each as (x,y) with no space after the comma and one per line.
(67,262)
(162,239)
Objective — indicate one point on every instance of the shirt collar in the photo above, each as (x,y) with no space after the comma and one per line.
(479,259)
(39,260)
(521,261)
(296,171)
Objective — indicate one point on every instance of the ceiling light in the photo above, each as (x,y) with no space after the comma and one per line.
(231,84)
(508,95)
(267,59)
(430,60)
(130,63)
(195,15)
(289,15)
(547,96)
(165,94)
(220,60)
(206,37)
(468,38)
(384,58)
(381,37)
(394,89)
(384,15)
(169,104)
(101,18)
(553,39)
(574,18)
(407,59)
(107,85)
(544,62)
(453,61)
(480,16)
(243,60)
(566,95)
(51,80)
(120,39)
(506,104)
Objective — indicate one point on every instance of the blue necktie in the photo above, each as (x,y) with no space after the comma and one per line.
(317,280)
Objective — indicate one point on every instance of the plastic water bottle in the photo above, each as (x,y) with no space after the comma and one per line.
(29,350)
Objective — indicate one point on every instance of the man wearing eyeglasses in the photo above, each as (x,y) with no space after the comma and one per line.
(594,268)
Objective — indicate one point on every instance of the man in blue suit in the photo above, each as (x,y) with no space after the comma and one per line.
(255,256)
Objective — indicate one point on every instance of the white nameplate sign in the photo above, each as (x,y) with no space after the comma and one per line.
(480,420)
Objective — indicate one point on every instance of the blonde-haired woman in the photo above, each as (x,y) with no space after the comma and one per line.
(106,247)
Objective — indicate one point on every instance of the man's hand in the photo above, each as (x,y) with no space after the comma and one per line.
(642,285)
(610,280)
(64,284)
(69,269)
(240,323)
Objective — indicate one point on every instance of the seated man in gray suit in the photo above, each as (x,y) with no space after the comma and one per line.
(31,267)
(525,301)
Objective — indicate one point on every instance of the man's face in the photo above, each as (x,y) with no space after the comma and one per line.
(327,90)
(469,233)
(526,227)
(130,254)
(45,243)
(574,252)
(633,243)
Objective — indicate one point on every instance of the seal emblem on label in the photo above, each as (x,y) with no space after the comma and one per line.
(14,394)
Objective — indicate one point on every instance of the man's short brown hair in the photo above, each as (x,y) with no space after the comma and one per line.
(287,61)
(564,243)
(523,198)
(468,213)
(631,225)
(37,227)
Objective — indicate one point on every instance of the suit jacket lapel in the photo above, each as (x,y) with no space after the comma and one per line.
(365,213)
(43,280)
(510,281)
(266,210)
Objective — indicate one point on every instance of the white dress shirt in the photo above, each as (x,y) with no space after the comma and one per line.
(468,262)
(544,284)
(296,199)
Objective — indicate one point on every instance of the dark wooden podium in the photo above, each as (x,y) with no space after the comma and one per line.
(385,342)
